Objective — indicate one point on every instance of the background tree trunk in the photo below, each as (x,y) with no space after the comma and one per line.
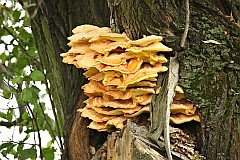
(209,73)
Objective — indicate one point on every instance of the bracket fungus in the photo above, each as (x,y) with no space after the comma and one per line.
(121,72)
(181,109)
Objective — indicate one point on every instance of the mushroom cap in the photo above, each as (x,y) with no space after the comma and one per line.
(154,47)
(131,67)
(129,93)
(144,99)
(81,48)
(108,101)
(114,59)
(152,79)
(99,126)
(146,40)
(179,89)
(98,77)
(93,115)
(115,112)
(184,108)
(179,93)
(144,83)
(154,58)
(91,72)
(94,88)
(80,38)
(182,118)
(105,126)
(69,60)
(115,45)
(117,122)
(110,36)
(100,46)
(86,61)
(84,28)
(87,28)
(145,72)
(64,54)
(112,81)
(142,91)
(143,110)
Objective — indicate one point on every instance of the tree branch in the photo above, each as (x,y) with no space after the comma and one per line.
(184,36)
(8,124)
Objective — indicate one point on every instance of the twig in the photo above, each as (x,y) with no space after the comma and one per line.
(20,44)
(53,107)
(55,117)
(48,123)
(8,124)
(172,82)
(19,143)
(38,131)
(184,36)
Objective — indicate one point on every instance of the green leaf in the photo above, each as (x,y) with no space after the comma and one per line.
(21,63)
(26,94)
(17,80)
(5,145)
(49,144)
(28,153)
(16,15)
(35,92)
(37,75)
(3,115)
(4,152)
(48,153)
(24,35)
(32,51)
(20,147)
(3,57)
(25,115)
(7,94)
(9,146)
(10,114)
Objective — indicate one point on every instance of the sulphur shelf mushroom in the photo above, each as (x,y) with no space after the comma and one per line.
(181,110)
(122,75)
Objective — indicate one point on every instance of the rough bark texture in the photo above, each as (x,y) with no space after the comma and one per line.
(52,22)
(209,73)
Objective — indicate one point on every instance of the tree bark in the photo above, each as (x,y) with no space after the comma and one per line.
(209,73)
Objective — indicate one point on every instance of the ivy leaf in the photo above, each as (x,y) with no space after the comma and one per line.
(26,94)
(37,75)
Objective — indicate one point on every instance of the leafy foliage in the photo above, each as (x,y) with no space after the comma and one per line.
(20,85)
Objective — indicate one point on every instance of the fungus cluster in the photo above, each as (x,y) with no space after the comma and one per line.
(182,110)
(122,73)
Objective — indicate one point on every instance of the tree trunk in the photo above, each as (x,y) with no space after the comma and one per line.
(209,73)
